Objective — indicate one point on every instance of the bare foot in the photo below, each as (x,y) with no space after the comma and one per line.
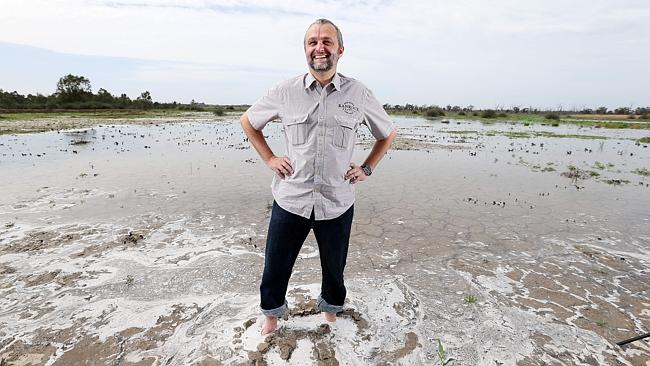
(330,317)
(270,325)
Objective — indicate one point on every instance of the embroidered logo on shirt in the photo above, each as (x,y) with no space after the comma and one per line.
(348,107)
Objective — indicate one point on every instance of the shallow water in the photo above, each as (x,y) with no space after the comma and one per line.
(146,243)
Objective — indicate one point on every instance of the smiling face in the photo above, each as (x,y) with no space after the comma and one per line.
(322,48)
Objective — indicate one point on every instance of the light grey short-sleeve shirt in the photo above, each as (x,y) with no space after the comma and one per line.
(320,125)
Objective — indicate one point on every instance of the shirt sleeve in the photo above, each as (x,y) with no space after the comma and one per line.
(265,109)
(375,117)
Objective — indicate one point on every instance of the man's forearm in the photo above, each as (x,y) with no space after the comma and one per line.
(379,150)
(257,139)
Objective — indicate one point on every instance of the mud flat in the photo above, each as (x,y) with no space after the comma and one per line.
(142,244)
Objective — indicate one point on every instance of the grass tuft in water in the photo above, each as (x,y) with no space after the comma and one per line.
(470,299)
(442,355)
(617,182)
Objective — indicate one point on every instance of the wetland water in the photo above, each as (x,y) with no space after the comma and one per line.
(143,244)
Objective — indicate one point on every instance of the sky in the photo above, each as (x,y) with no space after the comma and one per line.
(568,54)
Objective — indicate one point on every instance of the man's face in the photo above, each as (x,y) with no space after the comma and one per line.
(322,48)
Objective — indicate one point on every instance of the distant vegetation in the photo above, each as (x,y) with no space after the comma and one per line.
(499,112)
(601,117)
(74,93)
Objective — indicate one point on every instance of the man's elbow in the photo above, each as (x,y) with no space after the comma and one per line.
(391,136)
(246,123)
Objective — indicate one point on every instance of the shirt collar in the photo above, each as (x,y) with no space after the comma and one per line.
(310,80)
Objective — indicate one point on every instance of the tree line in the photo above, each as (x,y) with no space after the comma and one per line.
(434,109)
(75,92)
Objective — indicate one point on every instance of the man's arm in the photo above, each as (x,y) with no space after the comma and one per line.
(379,149)
(279,164)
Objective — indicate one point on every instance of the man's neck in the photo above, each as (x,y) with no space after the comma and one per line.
(323,77)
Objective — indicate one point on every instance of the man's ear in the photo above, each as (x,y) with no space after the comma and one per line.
(341,51)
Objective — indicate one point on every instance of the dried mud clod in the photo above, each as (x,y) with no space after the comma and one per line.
(132,238)
(6,269)
(361,323)
(249,322)
(304,308)
(286,341)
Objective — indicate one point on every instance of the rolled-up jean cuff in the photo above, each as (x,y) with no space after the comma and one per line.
(277,312)
(324,306)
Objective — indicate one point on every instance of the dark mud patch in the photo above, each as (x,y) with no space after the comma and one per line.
(131,239)
(36,241)
(21,353)
(6,269)
(63,280)
(306,306)
(392,357)
(86,349)
(286,341)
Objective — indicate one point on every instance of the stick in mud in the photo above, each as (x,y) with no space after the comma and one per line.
(630,340)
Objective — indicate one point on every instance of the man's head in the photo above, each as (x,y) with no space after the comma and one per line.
(323,45)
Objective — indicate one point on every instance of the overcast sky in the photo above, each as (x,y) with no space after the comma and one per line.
(543,53)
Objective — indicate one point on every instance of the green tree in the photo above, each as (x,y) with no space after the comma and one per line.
(73,88)
(144,100)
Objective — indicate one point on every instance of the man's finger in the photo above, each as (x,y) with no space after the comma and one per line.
(287,167)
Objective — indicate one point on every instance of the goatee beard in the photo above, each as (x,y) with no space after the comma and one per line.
(322,66)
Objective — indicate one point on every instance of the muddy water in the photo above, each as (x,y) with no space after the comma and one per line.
(144,245)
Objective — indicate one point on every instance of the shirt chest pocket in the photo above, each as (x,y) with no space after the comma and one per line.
(344,131)
(297,129)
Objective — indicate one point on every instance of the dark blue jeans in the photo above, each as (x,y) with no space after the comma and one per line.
(287,233)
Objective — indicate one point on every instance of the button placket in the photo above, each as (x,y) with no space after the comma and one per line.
(320,140)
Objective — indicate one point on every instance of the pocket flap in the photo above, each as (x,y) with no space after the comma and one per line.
(294,120)
(347,122)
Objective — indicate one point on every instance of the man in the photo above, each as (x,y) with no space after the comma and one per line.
(313,185)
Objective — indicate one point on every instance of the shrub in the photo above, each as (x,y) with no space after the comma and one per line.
(552,115)
(502,115)
(631,116)
(644,116)
(490,113)
(434,112)
(461,113)
(218,112)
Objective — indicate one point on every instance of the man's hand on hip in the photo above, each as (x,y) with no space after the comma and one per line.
(355,174)
(280,165)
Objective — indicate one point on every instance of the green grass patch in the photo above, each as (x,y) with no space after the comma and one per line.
(643,172)
(516,134)
(442,355)
(470,299)
(103,114)
(645,140)
(460,132)
(617,182)
(522,134)
(492,116)
(599,165)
